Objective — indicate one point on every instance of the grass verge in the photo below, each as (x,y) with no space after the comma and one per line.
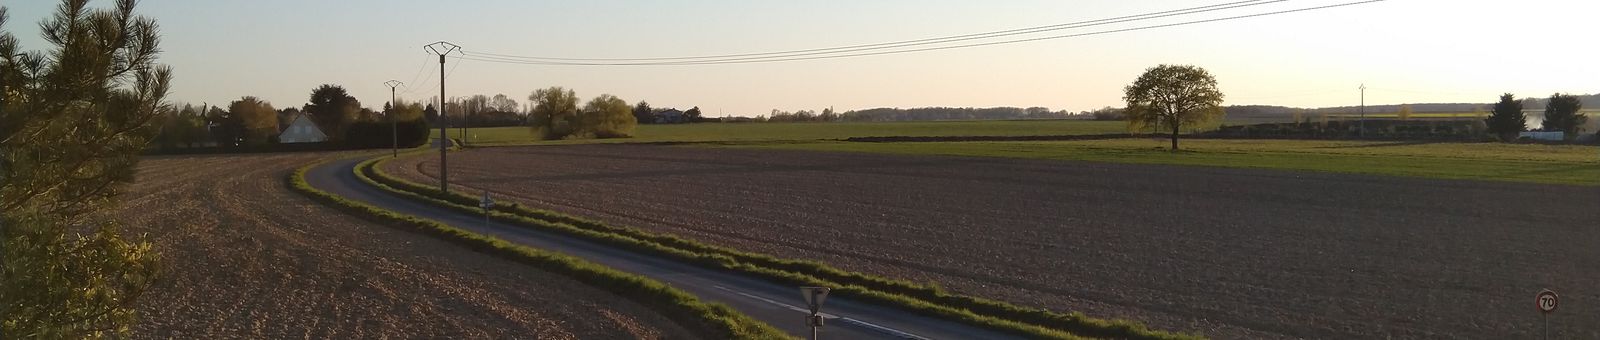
(923,299)
(709,319)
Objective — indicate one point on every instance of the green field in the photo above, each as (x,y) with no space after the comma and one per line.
(1558,164)
(751,132)
(1561,164)
(1393,115)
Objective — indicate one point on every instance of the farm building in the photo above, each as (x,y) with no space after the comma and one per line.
(668,116)
(302,130)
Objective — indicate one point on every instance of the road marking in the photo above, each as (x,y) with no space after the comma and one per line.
(886,330)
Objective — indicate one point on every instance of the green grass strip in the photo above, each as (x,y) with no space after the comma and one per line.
(712,320)
(920,298)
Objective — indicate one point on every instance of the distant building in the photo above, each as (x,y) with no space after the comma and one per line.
(301,130)
(668,116)
(1548,136)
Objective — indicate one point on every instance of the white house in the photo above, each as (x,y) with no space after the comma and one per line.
(301,130)
(668,116)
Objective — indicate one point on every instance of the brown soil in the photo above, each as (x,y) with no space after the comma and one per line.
(245,257)
(1230,253)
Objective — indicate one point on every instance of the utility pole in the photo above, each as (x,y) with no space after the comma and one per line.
(442,49)
(1363,124)
(394,127)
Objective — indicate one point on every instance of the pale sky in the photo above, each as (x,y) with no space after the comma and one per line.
(1405,51)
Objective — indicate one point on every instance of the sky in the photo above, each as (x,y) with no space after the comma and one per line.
(1404,51)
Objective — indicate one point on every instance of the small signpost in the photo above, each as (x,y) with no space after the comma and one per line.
(1546,301)
(814,297)
(486,204)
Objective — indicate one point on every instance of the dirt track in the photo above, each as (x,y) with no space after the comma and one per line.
(1231,253)
(247,258)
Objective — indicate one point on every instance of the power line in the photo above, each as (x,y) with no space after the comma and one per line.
(427,83)
(782,59)
(905,43)
(453,68)
(420,68)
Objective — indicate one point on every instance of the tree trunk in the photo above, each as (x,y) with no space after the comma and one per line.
(1174,136)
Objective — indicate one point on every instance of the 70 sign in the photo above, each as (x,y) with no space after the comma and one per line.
(1547,301)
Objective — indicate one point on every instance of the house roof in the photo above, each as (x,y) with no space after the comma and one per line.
(286,124)
(297,117)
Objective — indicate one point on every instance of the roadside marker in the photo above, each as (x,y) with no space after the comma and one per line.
(1546,301)
(814,297)
(486,203)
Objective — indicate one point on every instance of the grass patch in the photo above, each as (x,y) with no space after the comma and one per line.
(1531,163)
(924,299)
(750,132)
(709,319)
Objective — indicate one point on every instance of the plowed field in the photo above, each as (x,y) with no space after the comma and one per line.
(1230,253)
(247,258)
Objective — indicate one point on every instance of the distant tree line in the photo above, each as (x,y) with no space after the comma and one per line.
(253,123)
(555,115)
(1589,100)
(951,113)
(478,111)
(500,110)
(643,113)
(1505,120)
(900,115)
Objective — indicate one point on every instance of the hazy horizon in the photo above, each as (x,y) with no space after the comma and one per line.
(1404,51)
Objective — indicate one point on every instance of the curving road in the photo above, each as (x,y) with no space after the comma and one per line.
(776,304)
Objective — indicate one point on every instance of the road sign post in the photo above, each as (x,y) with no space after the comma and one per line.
(486,203)
(1546,301)
(814,297)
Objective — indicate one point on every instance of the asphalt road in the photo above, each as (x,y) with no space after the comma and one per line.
(778,305)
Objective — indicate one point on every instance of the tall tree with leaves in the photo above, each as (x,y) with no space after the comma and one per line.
(555,112)
(226,129)
(72,123)
(333,109)
(692,115)
(502,103)
(1507,119)
(1561,114)
(1170,97)
(184,127)
(607,116)
(257,117)
(643,113)
(432,115)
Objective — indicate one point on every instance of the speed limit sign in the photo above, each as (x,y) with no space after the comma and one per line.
(1547,301)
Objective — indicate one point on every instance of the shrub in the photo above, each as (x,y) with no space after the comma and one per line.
(378,134)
